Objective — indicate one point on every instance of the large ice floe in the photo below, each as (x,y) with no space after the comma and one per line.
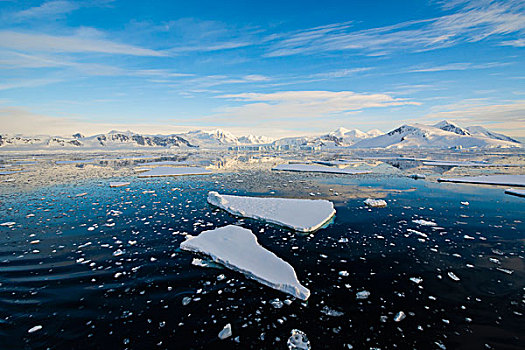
(504,180)
(318,169)
(304,215)
(237,249)
(516,192)
(174,171)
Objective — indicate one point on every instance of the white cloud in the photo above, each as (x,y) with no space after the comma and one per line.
(48,10)
(74,43)
(471,23)
(302,105)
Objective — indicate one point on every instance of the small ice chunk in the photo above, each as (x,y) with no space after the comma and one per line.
(400,316)
(298,341)
(453,276)
(422,222)
(331,312)
(362,295)
(226,332)
(465,203)
(186,301)
(418,176)
(118,184)
(34,329)
(8,223)
(416,280)
(375,203)
(343,273)
(302,215)
(237,248)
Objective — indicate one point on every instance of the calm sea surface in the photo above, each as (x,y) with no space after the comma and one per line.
(104,270)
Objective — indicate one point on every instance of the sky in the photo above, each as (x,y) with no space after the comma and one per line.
(273,68)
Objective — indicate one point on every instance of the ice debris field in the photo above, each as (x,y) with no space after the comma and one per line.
(256,259)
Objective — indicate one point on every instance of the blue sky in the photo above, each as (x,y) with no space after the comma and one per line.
(271,68)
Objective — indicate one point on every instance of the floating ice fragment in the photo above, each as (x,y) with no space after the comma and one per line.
(465,203)
(453,276)
(118,252)
(237,248)
(331,312)
(505,180)
(400,316)
(118,184)
(418,176)
(422,222)
(8,223)
(186,301)
(343,273)
(276,303)
(416,280)
(508,272)
(34,329)
(298,341)
(81,194)
(226,332)
(515,192)
(302,215)
(375,203)
(362,295)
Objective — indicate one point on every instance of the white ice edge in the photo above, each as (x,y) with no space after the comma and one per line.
(237,249)
(503,180)
(178,171)
(516,192)
(317,169)
(303,215)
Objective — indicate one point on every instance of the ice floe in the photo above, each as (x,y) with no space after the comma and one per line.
(422,222)
(504,180)
(375,203)
(118,184)
(174,171)
(304,215)
(226,332)
(317,169)
(516,192)
(237,248)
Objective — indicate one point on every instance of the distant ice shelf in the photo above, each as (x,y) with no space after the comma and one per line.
(466,164)
(516,192)
(174,171)
(503,180)
(318,169)
(304,215)
(237,249)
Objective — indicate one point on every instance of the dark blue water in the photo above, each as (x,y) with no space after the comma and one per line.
(104,270)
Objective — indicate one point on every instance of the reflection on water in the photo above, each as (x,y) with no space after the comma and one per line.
(104,270)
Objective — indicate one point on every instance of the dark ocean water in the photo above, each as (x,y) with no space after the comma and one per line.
(104,270)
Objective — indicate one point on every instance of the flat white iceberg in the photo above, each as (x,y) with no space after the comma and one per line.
(318,169)
(237,249)
(504,180)
(174,171)
(118,184)
(516,192)
(226,332)
(375,203)
(422,222)
(304,215)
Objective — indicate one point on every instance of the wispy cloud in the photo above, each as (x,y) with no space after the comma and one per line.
(75,43)
(468,24)
(302,105)
(456,67)
(48,10)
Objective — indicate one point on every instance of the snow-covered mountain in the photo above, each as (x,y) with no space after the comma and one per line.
(441,135)
(444,134)
(341,137)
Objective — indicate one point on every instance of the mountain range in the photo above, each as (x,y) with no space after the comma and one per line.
(444,134)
